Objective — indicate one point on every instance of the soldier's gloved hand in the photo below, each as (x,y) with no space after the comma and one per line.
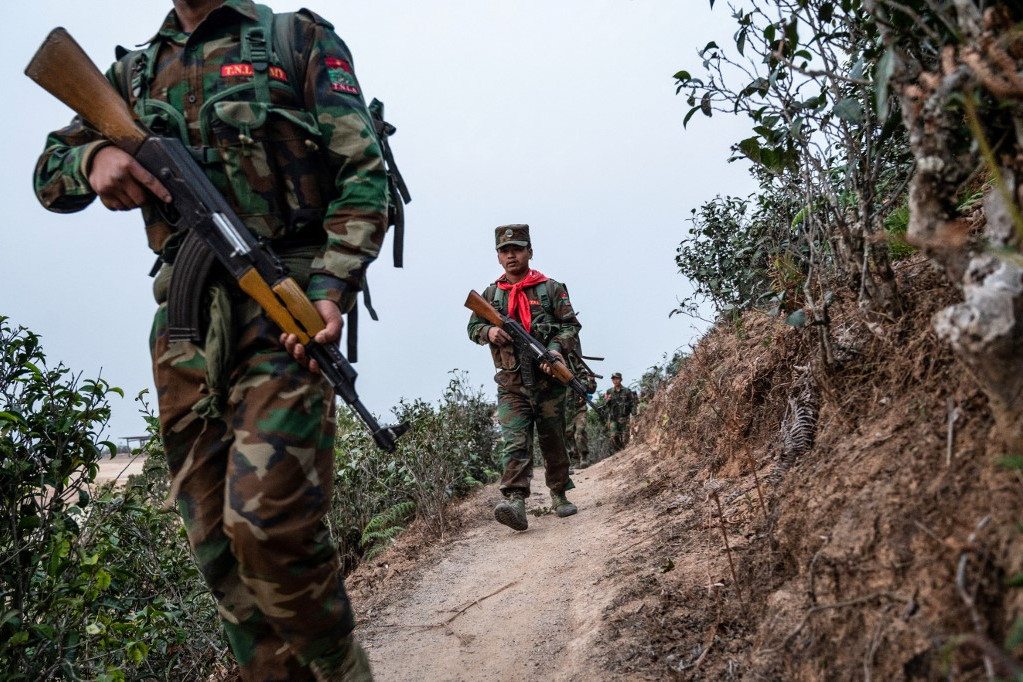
(498,336)
(121,182)
(331,332)
(547,368)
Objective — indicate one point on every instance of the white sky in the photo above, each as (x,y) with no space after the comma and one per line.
(557,113)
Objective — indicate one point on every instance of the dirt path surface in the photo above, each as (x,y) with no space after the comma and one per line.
(119,468)
(496,604)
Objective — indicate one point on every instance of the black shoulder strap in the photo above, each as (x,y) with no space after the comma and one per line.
(545,298)
(398,190)
(284,47)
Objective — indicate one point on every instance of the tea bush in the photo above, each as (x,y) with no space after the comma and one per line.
(94,584)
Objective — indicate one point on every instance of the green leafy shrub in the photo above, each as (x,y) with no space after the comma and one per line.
(896,224)
(95,584)
(826,146)
(450,449)
(727,255)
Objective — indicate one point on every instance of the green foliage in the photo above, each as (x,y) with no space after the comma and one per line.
(826,146)
(659,374)
(383,527)
(451,449)
(729,254)
(95,584)
(896,224)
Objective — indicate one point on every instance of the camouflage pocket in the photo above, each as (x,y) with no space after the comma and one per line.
(273,170)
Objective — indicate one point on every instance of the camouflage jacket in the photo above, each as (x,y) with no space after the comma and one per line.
(557,328)
(307,171)
(621,403)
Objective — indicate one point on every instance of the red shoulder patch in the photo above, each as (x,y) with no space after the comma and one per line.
(341,77)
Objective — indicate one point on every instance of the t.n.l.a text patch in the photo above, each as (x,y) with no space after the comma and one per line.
(341,77)
(246,71)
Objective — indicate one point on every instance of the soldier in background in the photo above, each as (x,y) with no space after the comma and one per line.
(621,405)
(528,397)
(575,419)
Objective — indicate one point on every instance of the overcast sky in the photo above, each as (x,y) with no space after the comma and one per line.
(557,113)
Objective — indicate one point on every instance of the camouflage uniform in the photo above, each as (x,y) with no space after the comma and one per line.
(526,402)
(621,405)
(247,431)
(575,420)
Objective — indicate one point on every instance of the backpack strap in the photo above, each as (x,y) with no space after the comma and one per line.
(545,298)
(256,50)
(498,298)
(396,186)
(283,44)
(137,71)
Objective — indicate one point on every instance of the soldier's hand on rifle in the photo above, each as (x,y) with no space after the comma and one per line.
(498,336)
(331,332)
(547,368)
(121,182)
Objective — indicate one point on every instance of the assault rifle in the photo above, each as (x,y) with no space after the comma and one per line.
(527,345)
(63,69)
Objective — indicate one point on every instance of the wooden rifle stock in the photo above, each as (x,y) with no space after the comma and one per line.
(482,307)
(63,69)
(524,340)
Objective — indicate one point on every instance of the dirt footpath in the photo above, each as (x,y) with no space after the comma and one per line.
(496,604)
(119,468)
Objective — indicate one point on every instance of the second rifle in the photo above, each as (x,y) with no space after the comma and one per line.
(527,344)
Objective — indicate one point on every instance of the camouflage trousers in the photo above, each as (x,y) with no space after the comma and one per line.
(618,431)
(575,432)
(252,486)
(520,410)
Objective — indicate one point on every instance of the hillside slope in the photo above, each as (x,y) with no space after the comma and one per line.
(863,523)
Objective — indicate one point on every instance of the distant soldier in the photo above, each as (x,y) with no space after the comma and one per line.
(527,397)
(621,405)
(575,419)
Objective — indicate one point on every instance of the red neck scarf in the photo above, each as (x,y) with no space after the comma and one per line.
(518,302)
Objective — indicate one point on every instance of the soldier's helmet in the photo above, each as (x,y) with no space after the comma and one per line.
(616,375)
(517,234)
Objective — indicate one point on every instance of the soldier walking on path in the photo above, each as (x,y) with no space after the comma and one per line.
(575,420)
(528,398)
(621,405)
(248,429)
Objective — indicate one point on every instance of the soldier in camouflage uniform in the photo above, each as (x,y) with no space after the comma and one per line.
(248,429)
(621,405)
(575,420)
(528,397)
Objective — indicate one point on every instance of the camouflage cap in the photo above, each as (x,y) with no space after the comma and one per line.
(616,375)
(517,234)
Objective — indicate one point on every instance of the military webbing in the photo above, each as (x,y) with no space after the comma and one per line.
(269,40)
(256,51)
